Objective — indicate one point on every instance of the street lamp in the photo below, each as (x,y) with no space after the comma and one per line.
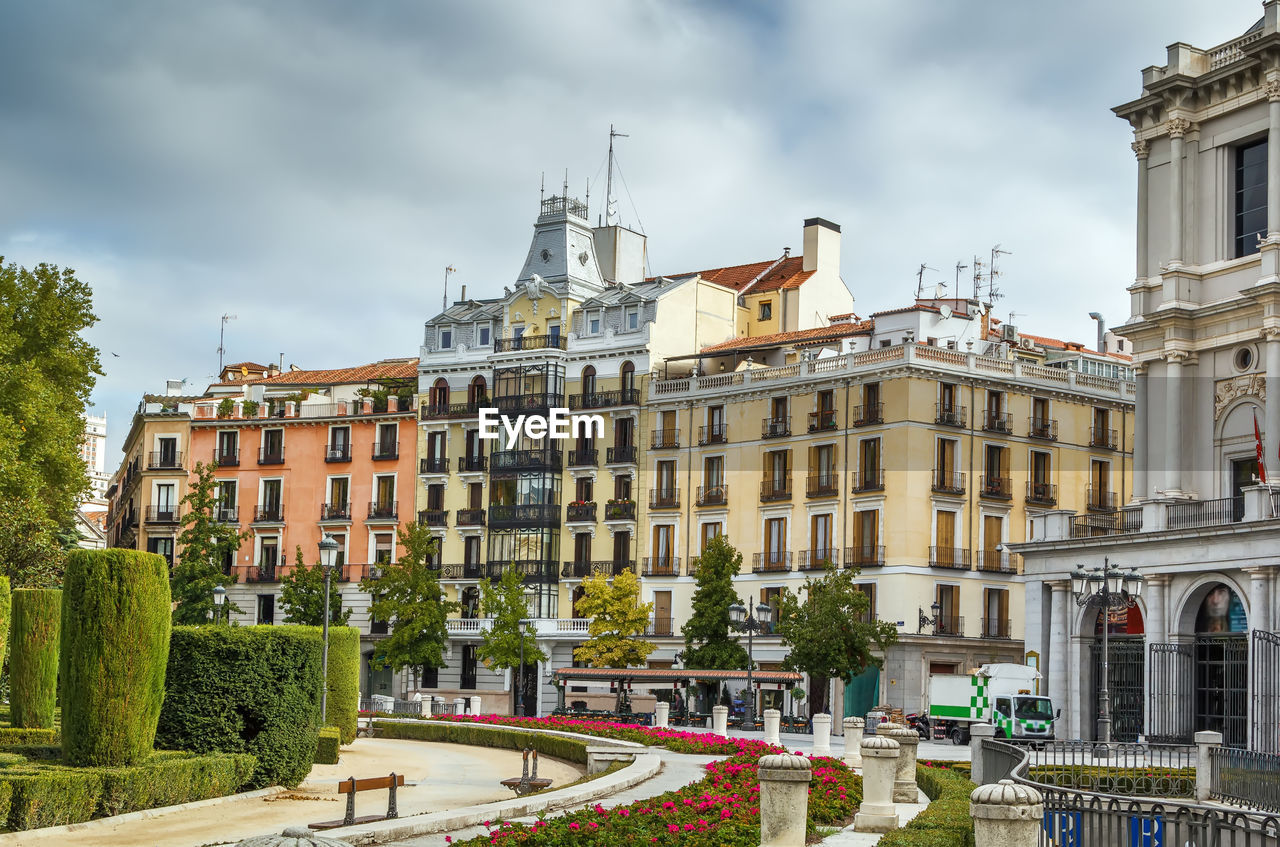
(219,597)
(925,620)
(742,620)
(1108,587)
(520,670)
(328,553)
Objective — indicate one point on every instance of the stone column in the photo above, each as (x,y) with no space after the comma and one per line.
(720,720)
(979,733)
(904,780)
(784,800)
(1058,671)
(822,734)
(1271,360)
(1273,162)
(1205,741)
(1177,130)
(1141,419)
(879,764)
(772,723)
(459,705)
(853,741)
(661,711)
(1173,454)
(1006,814)
(1141,149)
(475,704)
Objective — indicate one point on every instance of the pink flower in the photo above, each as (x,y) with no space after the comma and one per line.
(672,828)
(574,826)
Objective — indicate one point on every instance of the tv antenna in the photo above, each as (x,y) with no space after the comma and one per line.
(920,279)
(610,203)
(222,335)
(444,298)
(992,291)
(978,276)
(959,267)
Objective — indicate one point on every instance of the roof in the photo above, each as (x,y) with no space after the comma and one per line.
(387,369)
(799,337)
(788,274)
(251,366)
(674,675)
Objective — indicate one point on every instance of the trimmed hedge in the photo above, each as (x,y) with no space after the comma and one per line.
(253,689)
(327,745)
(5,615)
(945,822)
(344,677)
(478,735)
(1139,782)
(19,737)
(115,643)
(33,656)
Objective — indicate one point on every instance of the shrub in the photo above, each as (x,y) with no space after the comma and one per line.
(245,690)
(53,798)
(480,735)
(4,615)
(20,737)
(33,656)
(327,745)
(344,678)
(115,642)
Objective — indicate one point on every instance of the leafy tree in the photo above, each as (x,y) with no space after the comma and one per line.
(31,552)
(708,638)
(829,633)
(617,618)
(302,595)
(504,602)
(204,544)
(409,593)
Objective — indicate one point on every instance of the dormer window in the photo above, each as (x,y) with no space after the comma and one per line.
(593,324)
(631,319)
(766,310)
(483,332)
(446,337)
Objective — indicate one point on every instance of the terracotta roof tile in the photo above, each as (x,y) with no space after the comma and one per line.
(816,335)
(391,369)
(788,274)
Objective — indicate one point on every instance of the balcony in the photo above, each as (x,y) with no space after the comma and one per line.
(338,453)
(270,513)
(994,420)
(868,414)
(996,628)
(625,455)
(713,495)
(262,573)
(956,558)
(468,626)
(433,464)
(620,510)
(713,434)
(534,402)
(1102,437)
(945,482)
(664,498)
(335,511)
(472,464)
(384,450)
(435,411)
(525,515)
(1098,499)
(665,439)
(823,420)
(868,480)
(433,517)
(995,487)
(773,561)
(661,628)
(660,566)
(162,514)
(772,490)
(164,461)
(546,459)
(864,556)
(1046,429)
(775,427)
(226,458)
(949,414)
(952,625)
(581,512)
(1042,493)
(816,560)
(822,485)
(271,455)
(470,517)
(996,561)
(584,458)
(466,570)
(606,567)
(226,514)
(604,399)
(530,342)
(384,511)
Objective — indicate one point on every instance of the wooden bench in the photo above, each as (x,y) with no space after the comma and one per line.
(364,727)
(527,783)
(351,787)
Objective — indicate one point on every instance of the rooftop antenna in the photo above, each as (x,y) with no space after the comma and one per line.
(542,191)
(222,335)
(566,183)
(920,279)
(610,204)
(444,298)
(992,290)
(977,278)
(959,267)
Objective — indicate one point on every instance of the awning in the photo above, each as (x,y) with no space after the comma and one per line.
(659,675)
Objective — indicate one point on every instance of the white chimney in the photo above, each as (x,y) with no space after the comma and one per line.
(821,245)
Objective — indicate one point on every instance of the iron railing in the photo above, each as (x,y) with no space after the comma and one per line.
(663,439)
(620,510)
(583,458)
(816,560)
(472,463)
(772,427)
(469,409)
(604,399)
(386,450)
(1264,667)
(996,628)
(1042,493)
(335,511)
(995,487)
(471,517)
(822,420)
(164,460)
(271,455)
(338,453)
(162,514)
(383,511)
(1099,499)
(596,567)
(1102,437)
(433,464)
(868,479)
(995,421)
(949,557)
(947,482)
(662,628)
(1042,428)
(530,342)
(823,485)
(622,455)
(863,556)
(664,498)
(270,513)
(1194,513)
(1245,777)
(581,512)
(546,459)
(226,458)
(776,488)
(868,414)
(433,517)
(713,495)
(772,561)
(660,566)
(949,414)
(996,561)
(713,434)
(1106,523)
(525,514)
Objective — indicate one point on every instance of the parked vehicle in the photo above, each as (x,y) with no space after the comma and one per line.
(920,724)
(999,694)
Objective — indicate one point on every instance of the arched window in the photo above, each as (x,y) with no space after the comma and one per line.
(628,377)
(440,393)
(477,391)
(588,380)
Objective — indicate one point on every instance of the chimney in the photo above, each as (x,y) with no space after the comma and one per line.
(173,387)
(464,294)
(821,245)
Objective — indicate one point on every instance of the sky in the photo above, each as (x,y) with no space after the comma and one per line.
(312,167)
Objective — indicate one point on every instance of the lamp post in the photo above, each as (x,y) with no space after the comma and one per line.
(925,620)
(741,619)
(520,670)
(1108,587)
(328,552)
(219,597)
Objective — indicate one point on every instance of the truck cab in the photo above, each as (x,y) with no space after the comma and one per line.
(1023,716)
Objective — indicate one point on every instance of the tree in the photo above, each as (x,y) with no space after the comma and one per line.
(204,544)
(409,593)
(507,639)
(617,618)
(707,634)
(830,633)
(302,596)
(31,554)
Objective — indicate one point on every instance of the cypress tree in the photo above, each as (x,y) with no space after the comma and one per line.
(33,656)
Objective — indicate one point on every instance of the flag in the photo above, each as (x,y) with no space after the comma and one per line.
(1257,437)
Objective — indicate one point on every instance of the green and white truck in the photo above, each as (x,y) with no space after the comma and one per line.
(999,694)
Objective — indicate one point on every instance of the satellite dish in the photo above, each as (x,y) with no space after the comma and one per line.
(944,310)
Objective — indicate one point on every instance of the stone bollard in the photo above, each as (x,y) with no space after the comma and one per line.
(459,705)
(772,723)
(475,704)
(904,781)
(1206,740)
(661,711)
(879,764)
(784,799)
(1006,814)
(853,741)
(720,720)
(978,734)
(822,734)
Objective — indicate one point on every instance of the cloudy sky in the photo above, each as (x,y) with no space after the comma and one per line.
(312,167)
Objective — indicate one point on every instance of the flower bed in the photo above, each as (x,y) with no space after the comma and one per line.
(698,743)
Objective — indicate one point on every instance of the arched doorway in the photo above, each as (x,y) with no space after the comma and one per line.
(1221,699)
(588,382)
(440,394)
(1126,667)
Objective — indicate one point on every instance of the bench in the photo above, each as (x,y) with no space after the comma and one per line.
(527,783)
(351,787)
(364,727)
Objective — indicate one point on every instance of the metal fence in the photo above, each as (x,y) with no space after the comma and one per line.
(1265,668)
(387,704)
(1245,777)
(1133,770)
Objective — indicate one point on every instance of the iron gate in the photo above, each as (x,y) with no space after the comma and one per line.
(1222,686)
(1265,673)
(1125,681)
(1172,676)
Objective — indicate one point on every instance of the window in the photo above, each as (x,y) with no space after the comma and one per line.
(869,463)
(269,554)
(593,325)
(340,559)
(517,331)
(228,452)
(382,548)
(995,613)
(385,494)
(869,589)
(582,547)
(468,680)
(164,502)
(471,550)
(622,487)
(622,546)
(948,598)
(588,385)
(1251,197)
(946,538)
(866,537)
(820,546)
(446,337)
(631,319)
(766,310)
(713,471)
(775,542)
(162,546)
(266,609)
(584,490)
(1041,467)
(168,452)
(663,544)
(710,531)
(339,497)
(435,497)
(484,334)
(553,330)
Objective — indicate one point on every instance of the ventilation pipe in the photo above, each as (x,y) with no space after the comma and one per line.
(1102,331)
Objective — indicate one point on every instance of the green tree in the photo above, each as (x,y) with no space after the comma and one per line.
(830,632)
(203,545)
(31,553)
(302,596)
(507,639)
(409,593)
(617,618)
(709,640)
